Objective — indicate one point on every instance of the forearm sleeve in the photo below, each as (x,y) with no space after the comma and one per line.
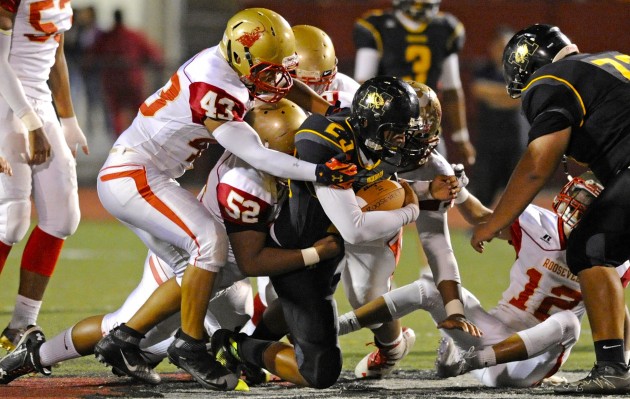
(356,226)
(242,140)
(10,87)
(434,235)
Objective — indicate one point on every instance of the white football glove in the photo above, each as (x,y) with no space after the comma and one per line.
(463,182)
(74,135)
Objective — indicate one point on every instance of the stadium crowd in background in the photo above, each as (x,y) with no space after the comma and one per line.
(39,139)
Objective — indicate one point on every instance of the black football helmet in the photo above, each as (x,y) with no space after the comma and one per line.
(419,10)
(385,114)
(530,49)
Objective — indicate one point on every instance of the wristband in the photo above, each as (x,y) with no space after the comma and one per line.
(31,121)
(462,196)
(454,306)
(310,256)
(460,136)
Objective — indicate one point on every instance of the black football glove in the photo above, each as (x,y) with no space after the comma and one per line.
(336,173)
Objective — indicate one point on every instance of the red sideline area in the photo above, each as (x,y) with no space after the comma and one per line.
(91,208)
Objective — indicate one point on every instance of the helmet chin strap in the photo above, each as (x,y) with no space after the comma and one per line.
(571,48)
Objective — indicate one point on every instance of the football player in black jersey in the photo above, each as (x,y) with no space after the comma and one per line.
(414,41)
(577,105)
(379,136)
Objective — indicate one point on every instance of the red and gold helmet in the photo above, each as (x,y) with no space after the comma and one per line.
(260,46)
(575,197)
(317,64)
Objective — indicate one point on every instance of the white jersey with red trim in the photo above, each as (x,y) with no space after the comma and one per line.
(341,89)
(240,195)
(541,283)
(169,128)
(36,34)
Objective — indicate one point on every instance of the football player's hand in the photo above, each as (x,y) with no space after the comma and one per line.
(336,172)
(5,167)
(466,152)
(410,195)
(444,188)
(460,174)
(460,322)
(482,233)
(329,247)
(74,135)
(39,147)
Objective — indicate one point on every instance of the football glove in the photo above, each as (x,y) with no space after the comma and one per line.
(74,135)
(461,175)
(336,173)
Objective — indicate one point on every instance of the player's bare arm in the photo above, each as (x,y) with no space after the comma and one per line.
(255,259)
(536,166)
(13,92)
(60,87)
(307,98)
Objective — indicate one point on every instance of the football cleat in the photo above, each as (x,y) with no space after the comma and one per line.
(205,369)
(125,358)
(385,359)
(451,361)
(604,378)
(10,337)
(225,348)
(24,359)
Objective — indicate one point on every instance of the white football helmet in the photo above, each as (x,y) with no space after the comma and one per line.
(575,197)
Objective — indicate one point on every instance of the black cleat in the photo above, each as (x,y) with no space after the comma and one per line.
(193,357)
(604,378)
(225,348)
(24,359)
(125,357)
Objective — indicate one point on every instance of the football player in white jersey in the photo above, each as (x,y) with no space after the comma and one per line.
(204,102)
(39,141)
(242,198)
(530,333)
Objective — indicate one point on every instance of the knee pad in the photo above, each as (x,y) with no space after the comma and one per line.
(570,327)
(321,368)
(16,219)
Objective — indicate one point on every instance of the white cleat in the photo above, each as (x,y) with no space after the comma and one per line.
(385,359)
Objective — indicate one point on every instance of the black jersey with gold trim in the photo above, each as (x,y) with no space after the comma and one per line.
(591,94)
(410,54)
(302,220)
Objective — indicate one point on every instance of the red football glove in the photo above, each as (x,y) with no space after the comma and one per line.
(336,173)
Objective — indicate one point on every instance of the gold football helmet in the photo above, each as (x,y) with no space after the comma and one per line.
(260,46)
(429,122)
(317,64)
(276,124)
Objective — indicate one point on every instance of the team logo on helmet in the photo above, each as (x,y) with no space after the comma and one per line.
(374,100)
(524,50)
(248,39)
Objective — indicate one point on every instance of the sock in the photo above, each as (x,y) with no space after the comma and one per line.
(610,350)
(4,254)
(155,353)
(394,342)
(41,252)
(25,312)
(348,323)
(59,348)
(252,351)
(485,358)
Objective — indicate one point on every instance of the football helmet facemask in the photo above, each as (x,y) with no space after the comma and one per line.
(419,147)
(419,10)
(317,62)
(385,115)
(260,46)
(276,124)
(575,197)
(530,49)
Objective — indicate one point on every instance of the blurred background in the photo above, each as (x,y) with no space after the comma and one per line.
(159,35)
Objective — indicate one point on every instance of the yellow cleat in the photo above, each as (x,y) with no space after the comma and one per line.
(241,386)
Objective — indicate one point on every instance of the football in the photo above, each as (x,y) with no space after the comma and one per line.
(383,195)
